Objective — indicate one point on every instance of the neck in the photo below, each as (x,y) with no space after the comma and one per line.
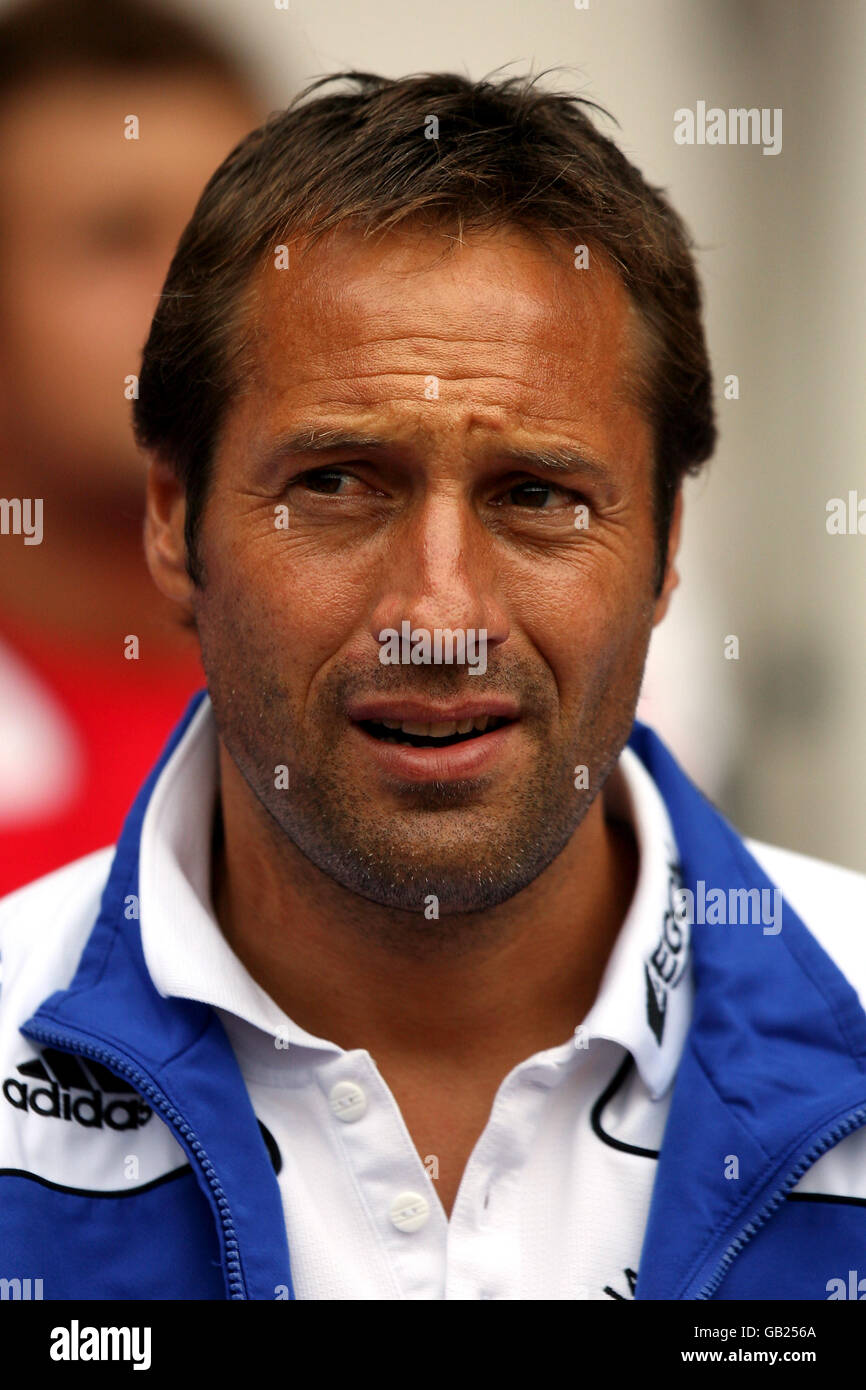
(515,979)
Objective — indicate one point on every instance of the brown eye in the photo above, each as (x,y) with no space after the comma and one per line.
(533,494)
(325,480)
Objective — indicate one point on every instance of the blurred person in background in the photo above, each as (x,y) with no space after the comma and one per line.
(113,114)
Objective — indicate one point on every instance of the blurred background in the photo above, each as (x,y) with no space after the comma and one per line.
(88,220)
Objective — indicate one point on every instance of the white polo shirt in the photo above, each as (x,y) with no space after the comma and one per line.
(554,1199)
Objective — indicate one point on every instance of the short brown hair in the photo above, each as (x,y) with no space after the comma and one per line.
(508,153)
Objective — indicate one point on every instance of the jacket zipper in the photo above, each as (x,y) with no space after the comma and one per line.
(855,1120)
(173,1118)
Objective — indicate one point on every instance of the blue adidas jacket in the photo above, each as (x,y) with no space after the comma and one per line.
(774,1070)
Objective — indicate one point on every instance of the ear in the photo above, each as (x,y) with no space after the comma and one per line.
(164,542)
(672,578)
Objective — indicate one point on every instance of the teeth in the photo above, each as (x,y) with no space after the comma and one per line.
(445,728)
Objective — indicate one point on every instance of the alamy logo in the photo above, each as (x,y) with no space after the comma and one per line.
(734,906)
(855,1287)
(50,1086)
(442,646)
(77,1343)
(738,126)
(22,516)
(21,1289)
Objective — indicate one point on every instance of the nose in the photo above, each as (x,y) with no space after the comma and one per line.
(440,573)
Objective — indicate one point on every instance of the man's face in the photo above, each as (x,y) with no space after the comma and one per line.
(88,224)
(454,364)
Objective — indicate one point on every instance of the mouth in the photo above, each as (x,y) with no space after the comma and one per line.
(442,734)
(408,741)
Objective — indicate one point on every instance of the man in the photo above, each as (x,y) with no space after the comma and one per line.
(95,189)
(389,989)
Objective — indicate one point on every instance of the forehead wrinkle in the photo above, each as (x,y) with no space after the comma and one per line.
(416,346)
(623,321)
(341,291)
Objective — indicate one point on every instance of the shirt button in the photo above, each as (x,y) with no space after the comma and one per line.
(347,1101)
(409,1211)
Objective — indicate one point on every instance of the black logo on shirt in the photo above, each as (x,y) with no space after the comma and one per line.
(664,969)
(104,1099)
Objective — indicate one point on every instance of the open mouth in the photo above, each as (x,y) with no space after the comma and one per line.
(441,735)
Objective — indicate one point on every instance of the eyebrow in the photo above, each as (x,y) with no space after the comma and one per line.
(557,459)
(319,440)
(312,439)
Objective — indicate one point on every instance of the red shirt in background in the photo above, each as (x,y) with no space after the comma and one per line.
(80,729)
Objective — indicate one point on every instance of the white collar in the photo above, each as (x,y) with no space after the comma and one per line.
(188,956)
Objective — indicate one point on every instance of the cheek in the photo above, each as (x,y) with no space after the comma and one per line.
(275,602)
(590,621)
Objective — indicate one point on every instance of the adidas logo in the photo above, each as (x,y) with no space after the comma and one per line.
(106,1100)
